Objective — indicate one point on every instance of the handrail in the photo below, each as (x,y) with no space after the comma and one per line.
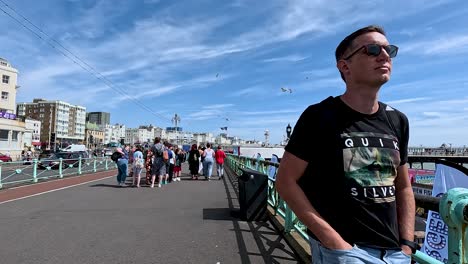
(453,206)
(19,172)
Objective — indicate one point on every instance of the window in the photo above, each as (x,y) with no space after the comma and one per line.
(14,136)
(5,79)
(4,95)
(3,135)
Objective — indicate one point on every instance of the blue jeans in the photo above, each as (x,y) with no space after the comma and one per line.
(122,165)
(358,255)
(207,167)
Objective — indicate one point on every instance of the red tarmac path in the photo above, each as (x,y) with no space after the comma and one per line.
(25,191)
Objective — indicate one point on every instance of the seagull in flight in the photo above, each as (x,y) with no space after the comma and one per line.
(286,90)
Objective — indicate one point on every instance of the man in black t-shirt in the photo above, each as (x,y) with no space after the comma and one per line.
(344,171)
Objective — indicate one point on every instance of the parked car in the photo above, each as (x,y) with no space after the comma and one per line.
(108,152)
(4,158)
(68,158)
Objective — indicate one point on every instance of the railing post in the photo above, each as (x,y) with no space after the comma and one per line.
(60,168)
(35,170)
(94,169)
(288,225)
(107,167)
(79,165)
(454,210)
(1,185)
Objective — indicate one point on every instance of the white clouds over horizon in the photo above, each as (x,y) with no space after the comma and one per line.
(209,60)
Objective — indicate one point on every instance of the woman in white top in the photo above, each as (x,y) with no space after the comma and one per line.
(208,161)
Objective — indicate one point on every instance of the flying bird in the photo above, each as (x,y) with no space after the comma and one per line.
(286,90)
(217,75)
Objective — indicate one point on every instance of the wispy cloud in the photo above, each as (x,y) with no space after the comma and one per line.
(408,100)
(439,46)
(321,72)
(173,52)
(432,114)
(290,58)
(254,90)
(218,106)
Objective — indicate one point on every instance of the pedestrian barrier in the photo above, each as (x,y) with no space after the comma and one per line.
(453,206)
(21,172)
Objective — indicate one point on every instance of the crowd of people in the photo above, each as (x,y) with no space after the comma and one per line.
(162,163)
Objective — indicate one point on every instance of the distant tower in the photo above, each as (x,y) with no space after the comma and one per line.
(288,131)
(176,121)
(267,137)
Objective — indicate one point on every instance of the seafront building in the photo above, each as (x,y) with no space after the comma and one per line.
(95,136)
(62,122)
(11,129)
(32,134)
(98,118)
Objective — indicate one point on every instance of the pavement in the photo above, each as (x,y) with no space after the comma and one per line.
(94,221)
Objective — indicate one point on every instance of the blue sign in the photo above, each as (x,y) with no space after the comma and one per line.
(7,115)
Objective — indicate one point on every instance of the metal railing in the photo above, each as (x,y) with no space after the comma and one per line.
(21,172)
(453,207)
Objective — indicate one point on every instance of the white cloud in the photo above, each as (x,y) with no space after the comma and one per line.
(439,46)
(217,106)
(432,114)
(408,100)
(250,91)
(321,72)
(290,58)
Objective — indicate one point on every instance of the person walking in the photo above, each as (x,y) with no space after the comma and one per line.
(159,165)
(344,171)
(122,167)
(148,156)
(138,164)
(220,156)
(208,155)
(180,158)
(193,160)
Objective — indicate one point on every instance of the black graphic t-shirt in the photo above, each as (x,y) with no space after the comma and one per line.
(353,160)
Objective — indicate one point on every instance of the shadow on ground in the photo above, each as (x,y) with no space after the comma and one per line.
(271,246)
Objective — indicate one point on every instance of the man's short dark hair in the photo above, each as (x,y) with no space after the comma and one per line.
(347,42)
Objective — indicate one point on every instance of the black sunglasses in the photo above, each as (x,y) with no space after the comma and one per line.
(375,50)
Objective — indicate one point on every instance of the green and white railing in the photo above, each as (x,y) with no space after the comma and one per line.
(20,172)
(453,207)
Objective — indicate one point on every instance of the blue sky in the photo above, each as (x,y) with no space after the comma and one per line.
(223,63)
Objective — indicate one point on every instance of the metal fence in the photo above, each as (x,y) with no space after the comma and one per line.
(453,206)
(21,172)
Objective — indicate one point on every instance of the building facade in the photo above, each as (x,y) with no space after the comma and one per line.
(99,118)
(62,123)
(202,138)
(11,129)
(32,134)
(95,136)
(139,135)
